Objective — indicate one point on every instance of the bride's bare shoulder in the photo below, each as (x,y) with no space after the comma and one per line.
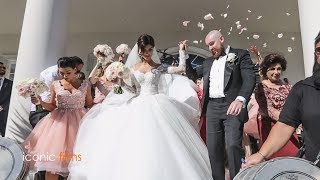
(136,66)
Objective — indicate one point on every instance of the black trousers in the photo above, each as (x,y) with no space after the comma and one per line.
(224,134)
(3,122)
(35,117)
(41,175)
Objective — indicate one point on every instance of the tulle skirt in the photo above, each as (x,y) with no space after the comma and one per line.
(49,147)
(149,137)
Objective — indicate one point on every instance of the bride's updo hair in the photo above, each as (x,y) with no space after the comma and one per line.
(145,40)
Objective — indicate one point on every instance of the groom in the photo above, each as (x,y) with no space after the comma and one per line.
(229,80)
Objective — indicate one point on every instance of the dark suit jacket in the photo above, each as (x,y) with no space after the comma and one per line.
(5,94)
(239,79)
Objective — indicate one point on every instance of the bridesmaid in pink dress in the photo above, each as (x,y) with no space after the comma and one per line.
(49,147)
(101,85)
(102,89)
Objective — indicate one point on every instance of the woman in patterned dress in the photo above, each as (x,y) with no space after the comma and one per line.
(271,95)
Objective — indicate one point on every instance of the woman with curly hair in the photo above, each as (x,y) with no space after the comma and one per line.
(271,95)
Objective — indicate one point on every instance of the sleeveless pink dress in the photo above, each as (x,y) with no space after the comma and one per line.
(49,147)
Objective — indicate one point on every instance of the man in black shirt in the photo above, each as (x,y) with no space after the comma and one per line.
(301,107)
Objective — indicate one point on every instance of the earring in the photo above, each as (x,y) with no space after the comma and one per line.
(78,75)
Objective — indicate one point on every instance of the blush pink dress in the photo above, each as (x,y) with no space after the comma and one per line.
(102,89)
(49,147)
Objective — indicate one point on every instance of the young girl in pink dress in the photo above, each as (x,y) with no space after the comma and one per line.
(49,147)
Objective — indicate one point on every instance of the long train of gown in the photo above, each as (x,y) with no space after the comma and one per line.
(149,137)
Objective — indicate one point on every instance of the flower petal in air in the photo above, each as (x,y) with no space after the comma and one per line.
(185,23)
(200,25)
(208,17)
(256,36)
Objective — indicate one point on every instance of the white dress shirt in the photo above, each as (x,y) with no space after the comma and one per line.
(216,78)
(48,76)
(1,82)
(216,85)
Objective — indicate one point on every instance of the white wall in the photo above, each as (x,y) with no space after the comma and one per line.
(83,43)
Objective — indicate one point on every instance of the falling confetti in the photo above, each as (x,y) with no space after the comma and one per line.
(200,25)
(243,29)
(225,15)
(200,41)
(288,14)
(272,32)
(185,23)
(230,29)
(195,42)
(237,23)
(228,6)
(289,49)
(247,19)
(208,17)
(248,38)
(220,30)
(249,11)
(255,36)
(280,35)
(239,26)
(259,17)
(264,45)
(293,38)
(229,33)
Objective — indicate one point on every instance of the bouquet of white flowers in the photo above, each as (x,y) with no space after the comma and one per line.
(31,87)
(104,53)
(123,49)
(117,70)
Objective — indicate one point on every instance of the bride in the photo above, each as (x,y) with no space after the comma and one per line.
(148,137)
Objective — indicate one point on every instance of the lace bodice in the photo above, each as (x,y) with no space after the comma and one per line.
(148,82)
(70,100)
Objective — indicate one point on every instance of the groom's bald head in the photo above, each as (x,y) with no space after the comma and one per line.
(215,42)
(214,34)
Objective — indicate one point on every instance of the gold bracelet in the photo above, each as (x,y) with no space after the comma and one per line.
(264,157)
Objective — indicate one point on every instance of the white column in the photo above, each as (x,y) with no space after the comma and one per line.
(42,42)
(310,27)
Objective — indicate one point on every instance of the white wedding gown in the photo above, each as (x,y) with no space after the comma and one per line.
(148,137)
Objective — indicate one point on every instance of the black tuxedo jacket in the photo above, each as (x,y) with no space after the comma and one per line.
(5,94)
(239,79)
